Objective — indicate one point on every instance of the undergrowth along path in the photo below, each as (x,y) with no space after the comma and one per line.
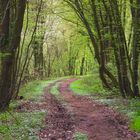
(69,113)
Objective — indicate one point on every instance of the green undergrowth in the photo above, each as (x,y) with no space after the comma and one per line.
(20,126)
(135,125)
(24,125)
(91,85)
(135,116)
(80,136)
(55,89)
(129,107)
(33,89)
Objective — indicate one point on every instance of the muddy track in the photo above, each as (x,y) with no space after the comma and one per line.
(59,121)
(71,113)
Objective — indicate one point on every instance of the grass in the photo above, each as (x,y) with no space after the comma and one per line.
(91,85)
(55,90)
(80,136)
(135,125)
(24,125)
(33,89)
(88,85)
(135,116)
(129,107)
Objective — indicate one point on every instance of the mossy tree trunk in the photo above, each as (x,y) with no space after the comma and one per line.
(11,27)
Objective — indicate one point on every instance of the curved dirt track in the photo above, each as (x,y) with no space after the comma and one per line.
(70,113)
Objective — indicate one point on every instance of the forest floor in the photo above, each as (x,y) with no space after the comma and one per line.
(70,108)
(73,116)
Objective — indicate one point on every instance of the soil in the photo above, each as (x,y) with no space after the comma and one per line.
(70,113)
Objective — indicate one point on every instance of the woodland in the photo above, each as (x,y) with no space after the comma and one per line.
(75,63)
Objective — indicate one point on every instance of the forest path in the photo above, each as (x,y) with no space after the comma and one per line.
(69,113)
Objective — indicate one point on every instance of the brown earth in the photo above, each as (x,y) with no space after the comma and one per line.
(70,113)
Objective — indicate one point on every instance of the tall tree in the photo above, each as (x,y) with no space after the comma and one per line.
(12,15)
(135,9)
(106,25)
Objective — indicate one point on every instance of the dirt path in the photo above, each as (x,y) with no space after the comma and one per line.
(70,113)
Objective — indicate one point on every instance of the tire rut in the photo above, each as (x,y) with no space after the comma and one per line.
(72,113)
(60,122)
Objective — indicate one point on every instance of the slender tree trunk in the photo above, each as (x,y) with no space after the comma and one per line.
(136,44)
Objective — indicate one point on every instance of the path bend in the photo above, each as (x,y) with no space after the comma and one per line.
(69,113)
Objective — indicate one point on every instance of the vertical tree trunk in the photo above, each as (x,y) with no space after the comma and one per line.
(82,66)
(136,44)
(6,81)
(8,46)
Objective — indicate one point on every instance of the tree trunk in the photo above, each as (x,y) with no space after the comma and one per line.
(8,47)
(136,45)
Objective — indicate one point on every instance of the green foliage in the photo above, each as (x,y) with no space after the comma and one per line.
(54,89)
(24,125)
(135,116)
(129,107)
(88,85)
(33,89)
(135,125)
(2,55)
(80,136)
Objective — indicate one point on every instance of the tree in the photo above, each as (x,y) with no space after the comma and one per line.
(135,9)
(11,27)
(106,22)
